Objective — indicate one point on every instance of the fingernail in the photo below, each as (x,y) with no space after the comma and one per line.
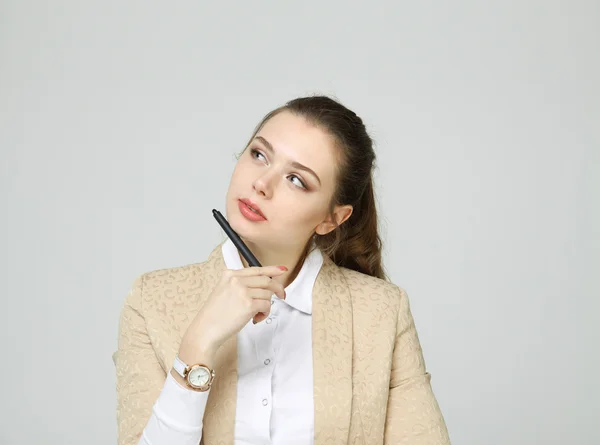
(283,268)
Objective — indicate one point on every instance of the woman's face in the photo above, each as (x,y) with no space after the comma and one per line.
(293,200)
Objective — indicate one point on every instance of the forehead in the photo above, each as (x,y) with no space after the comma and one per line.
(295,139)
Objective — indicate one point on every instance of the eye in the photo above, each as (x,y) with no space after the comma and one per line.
(299,180)
(254,152)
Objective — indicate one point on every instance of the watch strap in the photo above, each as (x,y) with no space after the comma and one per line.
(179,366)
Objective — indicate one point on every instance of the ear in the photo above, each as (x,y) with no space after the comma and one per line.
(341,214)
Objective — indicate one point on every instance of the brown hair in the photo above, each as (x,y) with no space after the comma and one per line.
(355,244)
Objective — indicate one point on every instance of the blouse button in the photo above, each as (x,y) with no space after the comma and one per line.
(267,361)
(265,402)
(269,320)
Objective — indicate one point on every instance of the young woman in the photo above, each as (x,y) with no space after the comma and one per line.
(315,347)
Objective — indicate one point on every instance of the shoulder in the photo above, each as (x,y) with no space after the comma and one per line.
(368,283)
(170,289)
(185,276)
(363,286)
(174,274)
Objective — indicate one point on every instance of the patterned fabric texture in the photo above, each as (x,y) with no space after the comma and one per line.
(370,382)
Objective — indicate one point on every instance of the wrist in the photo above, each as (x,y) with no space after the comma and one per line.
(193,354)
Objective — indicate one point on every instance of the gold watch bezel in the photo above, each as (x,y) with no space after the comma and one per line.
(205,387)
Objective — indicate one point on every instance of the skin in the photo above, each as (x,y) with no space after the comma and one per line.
(294,201)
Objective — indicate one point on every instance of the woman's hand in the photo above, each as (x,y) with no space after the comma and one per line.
(239,296)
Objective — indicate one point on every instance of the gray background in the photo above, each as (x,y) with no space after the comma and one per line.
(118,126)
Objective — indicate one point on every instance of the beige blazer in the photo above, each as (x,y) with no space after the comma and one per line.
(370,382)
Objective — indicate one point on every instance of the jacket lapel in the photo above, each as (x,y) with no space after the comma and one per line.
(332,355)
(332,362)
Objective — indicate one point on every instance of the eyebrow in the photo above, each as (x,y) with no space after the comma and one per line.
(294,164)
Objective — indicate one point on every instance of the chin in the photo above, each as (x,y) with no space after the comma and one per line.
(242,226)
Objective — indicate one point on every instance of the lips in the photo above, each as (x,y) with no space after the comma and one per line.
(253,206)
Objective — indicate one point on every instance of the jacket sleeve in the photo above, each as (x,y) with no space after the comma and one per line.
(152,408)
(413,415)
(139,376)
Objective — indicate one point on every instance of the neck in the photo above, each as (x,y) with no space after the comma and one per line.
(290,258)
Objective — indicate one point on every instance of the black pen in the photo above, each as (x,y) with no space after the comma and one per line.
(235,238)
(237,241)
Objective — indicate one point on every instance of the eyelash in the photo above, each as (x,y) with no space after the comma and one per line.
(254,152)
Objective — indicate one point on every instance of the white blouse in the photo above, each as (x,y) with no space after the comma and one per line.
(275,375)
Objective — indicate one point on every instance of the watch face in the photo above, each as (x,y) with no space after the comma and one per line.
(199,376)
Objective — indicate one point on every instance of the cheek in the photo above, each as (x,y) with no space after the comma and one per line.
(238,175)
(244,171)
(298,214)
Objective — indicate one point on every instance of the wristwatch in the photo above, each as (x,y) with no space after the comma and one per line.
(198,377)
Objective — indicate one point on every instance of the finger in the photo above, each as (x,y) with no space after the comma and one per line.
(268,271)
(260,294)
(260,316)
(263,309)
(263,306)
(264,282)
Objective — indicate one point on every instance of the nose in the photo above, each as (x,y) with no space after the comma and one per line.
(263,185)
